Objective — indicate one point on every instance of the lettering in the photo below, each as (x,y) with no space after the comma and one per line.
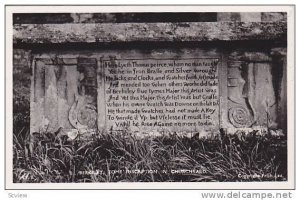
(176,95)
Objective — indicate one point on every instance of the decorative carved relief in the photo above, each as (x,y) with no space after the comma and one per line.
(241,114)
(240,117)
(252,88)
(87,115)
(83,113)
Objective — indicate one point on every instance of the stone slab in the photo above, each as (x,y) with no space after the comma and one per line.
(148,32)
(162,95)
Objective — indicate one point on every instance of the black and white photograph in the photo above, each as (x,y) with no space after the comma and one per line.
(105,98)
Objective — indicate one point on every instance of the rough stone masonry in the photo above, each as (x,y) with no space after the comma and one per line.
(223,71)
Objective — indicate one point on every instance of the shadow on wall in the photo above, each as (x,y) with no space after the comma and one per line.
(60,18)
(21,91)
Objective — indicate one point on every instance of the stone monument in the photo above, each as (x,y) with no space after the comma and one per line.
(156,78)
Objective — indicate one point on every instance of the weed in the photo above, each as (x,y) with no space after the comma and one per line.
(127,158)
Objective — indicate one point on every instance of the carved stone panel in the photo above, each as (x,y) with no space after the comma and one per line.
(188,91)
(64,94)
(251,92)
(162,95)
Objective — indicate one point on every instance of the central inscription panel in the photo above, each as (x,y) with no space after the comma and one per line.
(164,95)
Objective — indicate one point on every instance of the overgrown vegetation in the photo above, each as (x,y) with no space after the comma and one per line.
(227,158)
(230,158)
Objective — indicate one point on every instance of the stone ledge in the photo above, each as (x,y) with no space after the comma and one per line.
(148,32)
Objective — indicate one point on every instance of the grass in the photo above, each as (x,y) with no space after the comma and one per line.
(226,158)
(109,157)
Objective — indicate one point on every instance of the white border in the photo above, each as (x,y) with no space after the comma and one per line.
(165,185)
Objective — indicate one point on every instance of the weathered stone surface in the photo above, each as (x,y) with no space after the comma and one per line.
(51,97)
(101,104)
(37,103)
(70,78)
(21,89)
(261,94)
(63,95)
(274,16)
(132,17)
(251,56)
(148,32)
(279,78)
(162,95)
(240,16)
(72,89)
(61,18)
(250,16)
(250,90)
(252,87)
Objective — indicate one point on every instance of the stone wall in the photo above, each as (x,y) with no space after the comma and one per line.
(60,18)
(74,67)
(21,89)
